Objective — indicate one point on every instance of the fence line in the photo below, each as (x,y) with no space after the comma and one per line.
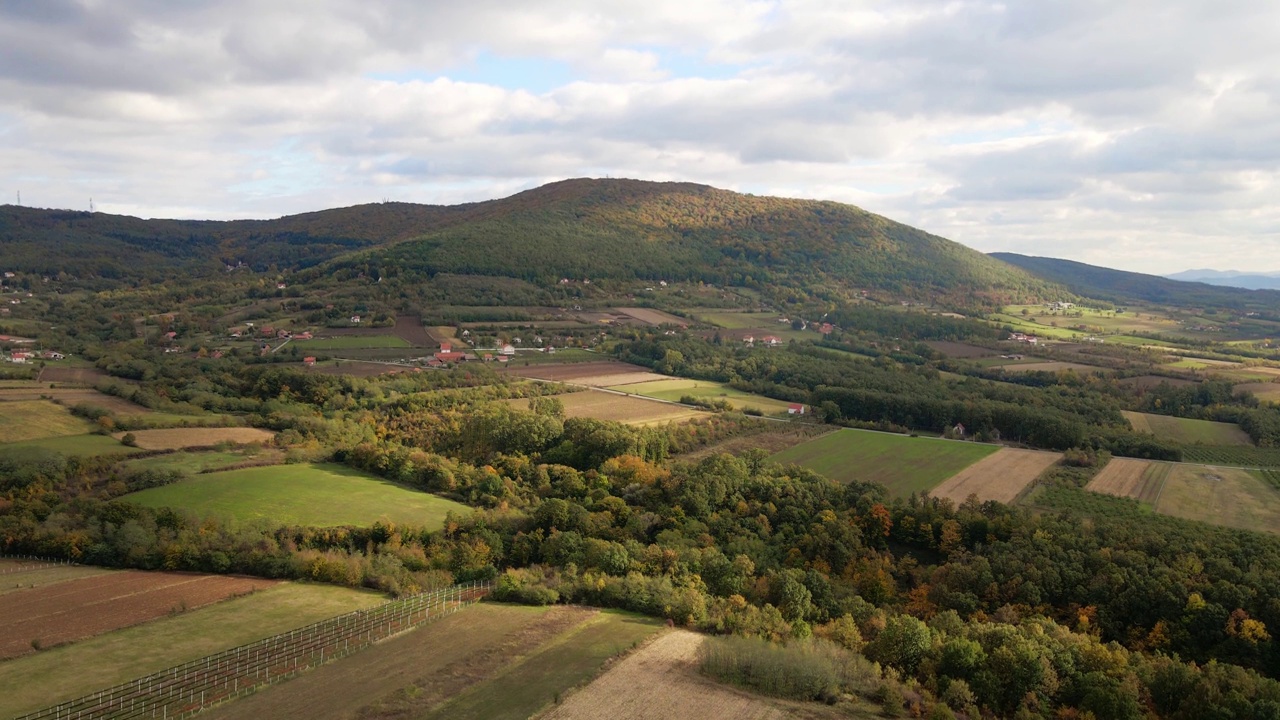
(184,690)
(38,563)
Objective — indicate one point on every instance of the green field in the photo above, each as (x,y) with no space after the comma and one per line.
(83,445)
(35,419)
(348,342)
(565,355)
(1242,455)
(41,679)
(740,320)
(543,675)
(200,462)
(903,464)
(1223,496)
(313,495)
(1188,431)
(677,388)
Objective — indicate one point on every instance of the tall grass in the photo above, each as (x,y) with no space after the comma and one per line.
(810,670)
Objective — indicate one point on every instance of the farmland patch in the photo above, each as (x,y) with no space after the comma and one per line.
(675,389)
(179,438)
(312,495)
(578,372)
(1000,477)
(629,409)
(1221,495)
(35,419)
(82,445)
(653,317)
(959,349)
(70,397)
(662,681)
(75,609)
(901,463)
(1127,477)
(1187,430)
(37,680)
(1052,366)
(348,342)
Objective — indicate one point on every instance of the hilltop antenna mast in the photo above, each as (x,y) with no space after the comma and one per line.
(19,198)
(90,204)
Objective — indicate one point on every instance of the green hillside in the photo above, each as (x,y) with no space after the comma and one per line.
(1121,286)
(625,229)
(580,229)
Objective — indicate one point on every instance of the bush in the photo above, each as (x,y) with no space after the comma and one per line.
(811,670)
(129,439)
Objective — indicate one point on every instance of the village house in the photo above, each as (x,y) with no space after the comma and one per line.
(309,360)
(20,356)
(355,319)
(507,350)
(771,340)
(795,409)
(53,355)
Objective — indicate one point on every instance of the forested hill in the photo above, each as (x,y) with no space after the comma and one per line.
(99,247)
(1121,287)
(627,229)
(581,229)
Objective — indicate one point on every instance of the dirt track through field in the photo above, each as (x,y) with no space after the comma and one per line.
(77,609)
(408,675)
(661,681)
(1000,476)
(1126,477)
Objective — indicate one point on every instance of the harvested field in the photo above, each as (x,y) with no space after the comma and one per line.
(35,419)
(350,342)
(37,680)
(903,464)
(179,438)
(1265,391)
(81,375)
(77,609)
(575,372)
(653,317)
(489,661)
(675,389)
(620,380)
(1221,495)
(1000,477)
(1187,430)
(960,350)
(1053,366)
(1147,382)
(70,397)
(771,441)
(409,328)
(1126,477)
(82,445)
(662,681)
(629,409)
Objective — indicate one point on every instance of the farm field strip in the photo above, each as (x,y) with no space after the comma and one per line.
(661,680)
(1221,495)
(37,419)
(70,397)
(240,670)
(85,607)
(1187,430)
(960,350)
(423,667)
(179,438)
(630,409)
(1000,477)
(652,317)
(901,463)
(351,342)
(317,495)
(83,445)
(1128,477)
(60,674)
(40,575)
(575,372)
(1051,366)
(675,389)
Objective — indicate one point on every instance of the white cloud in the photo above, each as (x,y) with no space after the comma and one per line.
(1138,134)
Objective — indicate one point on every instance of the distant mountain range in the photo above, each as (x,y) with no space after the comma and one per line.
(1231,278)
(1121,287)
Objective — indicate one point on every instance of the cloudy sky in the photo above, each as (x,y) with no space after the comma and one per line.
(1139,134)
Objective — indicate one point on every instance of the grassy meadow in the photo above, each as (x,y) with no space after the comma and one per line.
(677,388)
(35,419)
(1187,430)
(82,445)
(321,495)
(901,463)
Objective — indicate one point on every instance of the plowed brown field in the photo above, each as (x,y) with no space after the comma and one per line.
(77,609)
(999,477)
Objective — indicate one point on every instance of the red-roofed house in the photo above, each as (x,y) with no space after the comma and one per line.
(309,360)
(795,409)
